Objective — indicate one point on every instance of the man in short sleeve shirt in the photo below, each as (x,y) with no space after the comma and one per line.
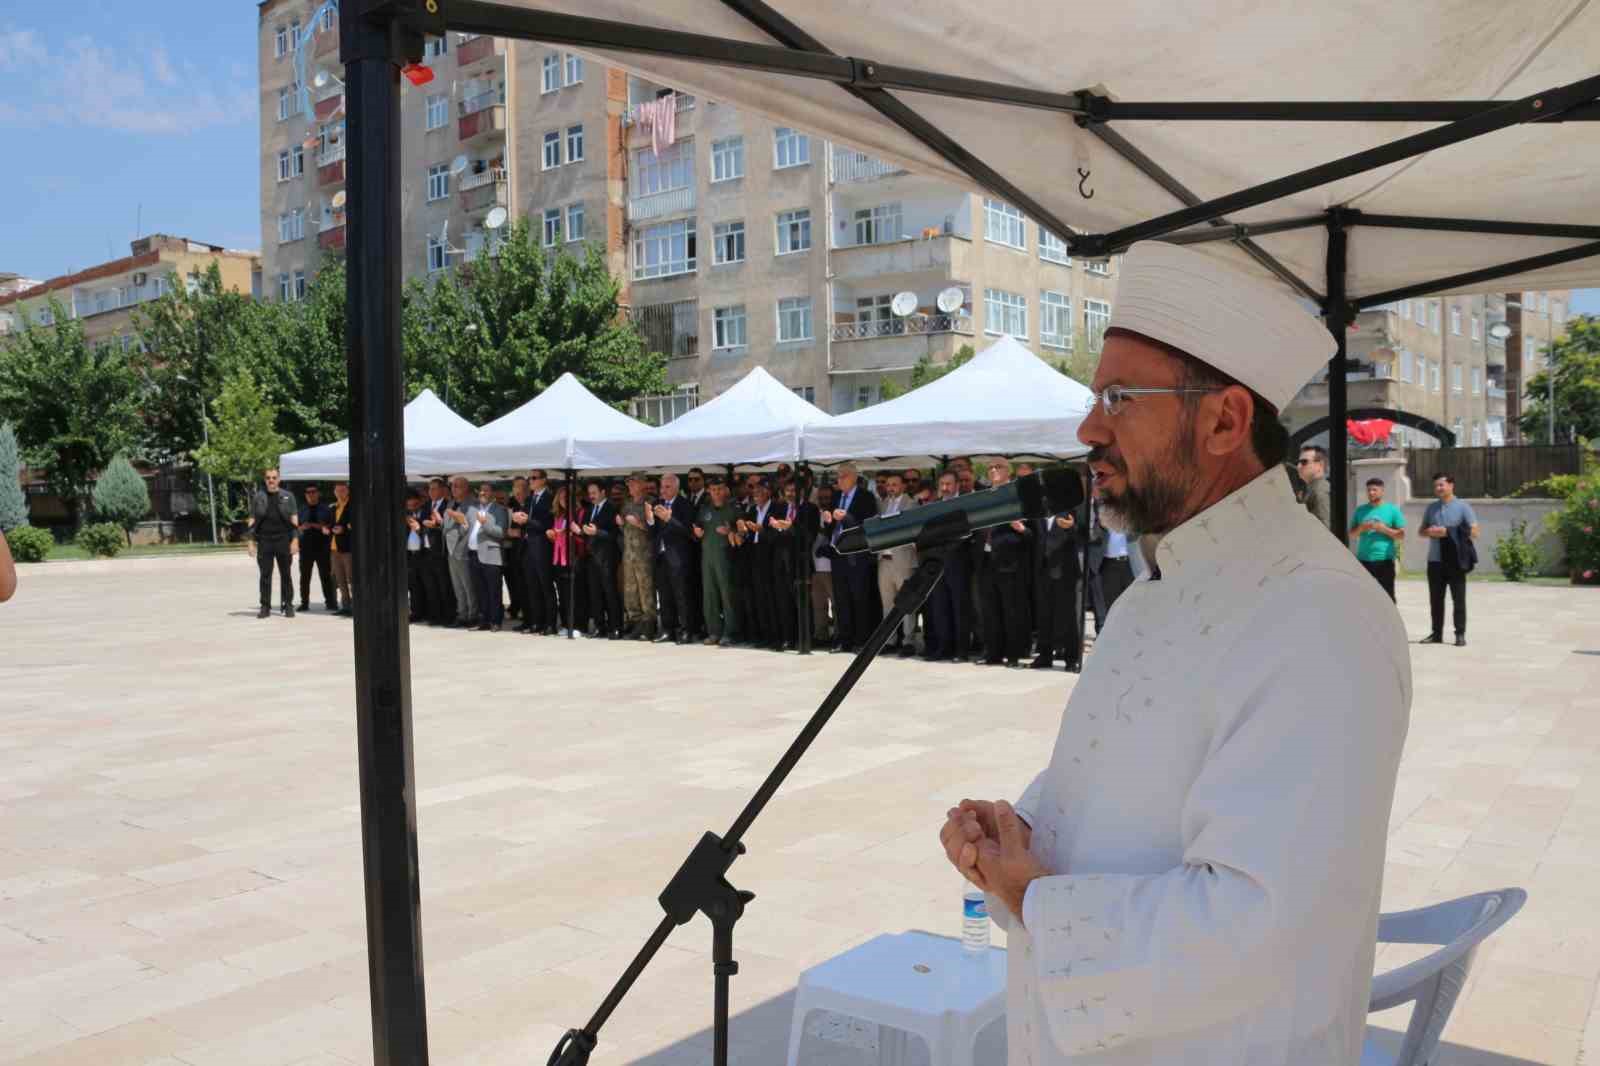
(1450,527)
(1379,526)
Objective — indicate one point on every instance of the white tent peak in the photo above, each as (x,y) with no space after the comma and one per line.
(538,434)
(428,421)
(757,401)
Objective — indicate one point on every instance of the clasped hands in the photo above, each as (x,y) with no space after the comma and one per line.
(988,844)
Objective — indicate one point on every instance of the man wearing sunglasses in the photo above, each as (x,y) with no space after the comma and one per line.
(1312,466)
(1194,878)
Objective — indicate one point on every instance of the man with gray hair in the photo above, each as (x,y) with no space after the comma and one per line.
(456,534)
(854,576)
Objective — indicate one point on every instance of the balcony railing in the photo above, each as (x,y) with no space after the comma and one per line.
(1496,392)
(661,204)
(900,327)
(331,238)
(470,52)
(850,165)
(334,153)
(473,104)
(327,106)
(484,196)
(482,177)
(684,102)
(491,119)
(333,173)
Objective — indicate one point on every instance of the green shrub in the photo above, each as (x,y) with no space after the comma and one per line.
(30,544)
(102,538)
(1578,526)
(13,504)
(1554,487)
(1514,555)
(120,495)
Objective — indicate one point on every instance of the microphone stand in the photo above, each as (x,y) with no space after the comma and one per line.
(701,884)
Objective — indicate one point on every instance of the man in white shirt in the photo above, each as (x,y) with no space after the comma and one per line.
(1194,879)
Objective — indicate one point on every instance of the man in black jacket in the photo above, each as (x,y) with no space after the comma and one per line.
(947,615)
(316,529)
(275,531)
(605,556)
(761,543)
(854,576)
(1002,580)
(442,607)
(511,549)
(534,518)
(671,523)
(1055,583)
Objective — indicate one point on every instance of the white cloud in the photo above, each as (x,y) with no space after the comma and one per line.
(85,83)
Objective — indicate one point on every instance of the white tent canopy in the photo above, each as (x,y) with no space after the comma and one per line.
(757,421)
(1004,401)
(1450,51)
(427,422)
(540,433)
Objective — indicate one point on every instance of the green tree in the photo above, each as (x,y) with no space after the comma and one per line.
(926,370)
(120,496)
(244,436)
(301,363)
(497,331)
(13,504)
(1576,359)
(74,405)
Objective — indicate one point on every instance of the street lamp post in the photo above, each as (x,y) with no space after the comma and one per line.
(205,439)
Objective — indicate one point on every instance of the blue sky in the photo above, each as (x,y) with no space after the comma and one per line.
(126,114)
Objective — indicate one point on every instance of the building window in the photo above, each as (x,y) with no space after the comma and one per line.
(280,43)
(672,169)
(794,231)
(728,327)
(551,73)
(1405,362)
(1405,309)
(552,226)
(875,225)
(1003,224)
(1098,267)
(285,289)
(434,47)
(1433,375)
(574,222)
(727,242)
(438,110)
(438,181)
(808,393)
(1477,381)
(790,148)
(297,160)
(1477,328)
(874,311)
(659,410)
(574,69)
(327,18)
(1528,350)
(1455,320)
(1455,378)
(794,319)
(1433,315)
(287,96)
(727,159)
(1460,430)
(664,250)
(1419,313)
(574,144)
(866,396)
(1005,313)
(1544,301)
(1477,435)
(299,284)
(1096,319)
(283,166)
(292,225)
(1055,320)
(436,256)
(1053,249)
(552,150)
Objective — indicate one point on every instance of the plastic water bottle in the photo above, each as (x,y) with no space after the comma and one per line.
(974,922)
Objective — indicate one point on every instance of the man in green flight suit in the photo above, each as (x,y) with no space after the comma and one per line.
(714,527)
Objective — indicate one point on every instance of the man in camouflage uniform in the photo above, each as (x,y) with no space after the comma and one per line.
(638,574)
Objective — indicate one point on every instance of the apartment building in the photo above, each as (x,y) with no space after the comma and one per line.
(1440,358)
(11,282)
(737,243)
(104,296)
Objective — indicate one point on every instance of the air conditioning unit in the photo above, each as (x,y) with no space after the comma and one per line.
(140,277)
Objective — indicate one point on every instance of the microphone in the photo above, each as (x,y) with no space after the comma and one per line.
(1049,491)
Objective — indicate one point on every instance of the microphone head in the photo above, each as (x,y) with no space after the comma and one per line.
(851,541)
(1053,490)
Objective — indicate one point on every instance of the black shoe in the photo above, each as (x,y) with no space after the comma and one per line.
(908,652)
(494,629)
(264,612)
(288,610)
(1432,638)
(347,612)
(684,638)
(616,634)
(1074,668)
(991,662)
(1013,664)
(524,629)
(1461,641)
(665,637)
(482,627)
(1043,662)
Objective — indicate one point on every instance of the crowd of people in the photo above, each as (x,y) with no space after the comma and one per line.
(712,559)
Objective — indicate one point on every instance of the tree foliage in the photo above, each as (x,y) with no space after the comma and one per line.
(13,504)
(244,437)
(74,405)
(120,495)
(1576,360)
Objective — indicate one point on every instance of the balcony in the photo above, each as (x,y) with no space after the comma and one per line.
(328,106)
(683,124)
(901,327)
(482,177)
(895,344)
(330,166)
(487,118)
(331,239)
(661,204)
(947,256)
(852,166)
(482,195)
(480,47)
(684,102)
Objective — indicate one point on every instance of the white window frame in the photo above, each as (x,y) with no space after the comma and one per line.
(575,144)
(790,148)
(438,111)
(438,254)
(866,396)
(1005,313)
(1405,363)
(726,236)
(280,42)
(297,161)
(1100,268)
(663,240)
(795,311)
(875,311)
(1455,320)
(551,232)
(572,70)
(1053,249)
(1455,377)
(438,187)
(550,74)
(1434,375)
(1477,381)
(550,153)
(1004,225)
(671,170)
(285,94)
(879,224)
(793,231)
(292,225)
(1095,311)
(1477,327)
(1056,306)
(299,285)
(1433,315)
(434,47)
(283,165)
(729,328)
(574,223)
(727,159)
(808,393)
(285,290)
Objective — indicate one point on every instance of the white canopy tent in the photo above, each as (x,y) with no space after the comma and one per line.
(1004,401)
(540,433)
(756,422)
(427,422)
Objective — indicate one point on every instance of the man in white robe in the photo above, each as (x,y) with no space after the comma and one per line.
(1194,879)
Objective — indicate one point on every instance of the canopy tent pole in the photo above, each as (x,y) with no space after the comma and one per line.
(1337,315)
(1473,277)
(372,51)
(800,538)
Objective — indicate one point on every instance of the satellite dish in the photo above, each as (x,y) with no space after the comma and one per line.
(1499,331)
(495,219)
(321,79)
(903,304)
(458,164)
(951,300)
(338,199)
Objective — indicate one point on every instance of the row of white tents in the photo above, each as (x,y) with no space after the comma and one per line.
(1005,401)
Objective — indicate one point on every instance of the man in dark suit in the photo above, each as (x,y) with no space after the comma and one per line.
(854,576)
(416,513)
(791,525)
(1110,569)
(511,549)
(947,615)
(1002,579)
(671,523)
(442,607)
(761,543)
(605,556)
(316,523)
(534,518)
(1055,584)
(694,490)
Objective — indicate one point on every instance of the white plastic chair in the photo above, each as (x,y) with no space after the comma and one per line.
(1434,982)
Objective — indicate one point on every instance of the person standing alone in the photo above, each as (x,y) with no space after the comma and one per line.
(1450,527)
(274,524)
(1380,527)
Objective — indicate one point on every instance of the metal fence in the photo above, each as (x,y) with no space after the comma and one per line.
(1484,472)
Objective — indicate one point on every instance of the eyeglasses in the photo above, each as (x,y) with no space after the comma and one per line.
(1114,397)
(1304,462)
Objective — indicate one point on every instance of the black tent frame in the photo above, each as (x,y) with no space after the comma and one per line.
(378,37)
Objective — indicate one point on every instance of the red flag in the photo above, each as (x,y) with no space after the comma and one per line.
(1369,430)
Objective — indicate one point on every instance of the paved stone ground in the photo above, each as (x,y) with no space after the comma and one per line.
(180,878)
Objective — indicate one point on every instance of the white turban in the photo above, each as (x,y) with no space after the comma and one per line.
(1246,327)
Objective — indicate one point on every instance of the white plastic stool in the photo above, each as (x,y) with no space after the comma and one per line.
(915,982)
